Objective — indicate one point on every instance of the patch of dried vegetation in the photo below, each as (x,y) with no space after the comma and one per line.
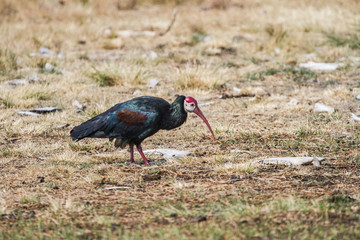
(51,186)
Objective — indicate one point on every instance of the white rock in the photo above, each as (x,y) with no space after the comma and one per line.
(319,66)
(28,113)
(45,51)
(292,161)
(79,107)
(237,89)
(107,31)
(310,55)
(355,118)
(76,103)
(357,96)
(319,108)
(294,102)
(277,50)
(49,67)
(137,92)
(153,55)
(153,83)
(206,103)
(146,33)
(131,33)
(207,38)
(168,153)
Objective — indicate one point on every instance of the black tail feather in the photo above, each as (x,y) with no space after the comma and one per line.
(92,128)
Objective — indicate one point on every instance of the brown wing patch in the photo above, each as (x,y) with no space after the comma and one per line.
(131,118)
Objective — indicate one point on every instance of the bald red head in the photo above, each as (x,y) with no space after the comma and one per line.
(190,100)
(190,105)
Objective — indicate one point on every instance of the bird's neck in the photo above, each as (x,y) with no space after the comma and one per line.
(176,114)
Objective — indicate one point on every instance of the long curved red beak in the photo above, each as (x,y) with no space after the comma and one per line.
(198,112)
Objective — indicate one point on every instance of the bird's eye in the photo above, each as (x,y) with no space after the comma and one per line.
(192,104)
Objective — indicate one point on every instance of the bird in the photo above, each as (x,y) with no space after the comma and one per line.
(130,122)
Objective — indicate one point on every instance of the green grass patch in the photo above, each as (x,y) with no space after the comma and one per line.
(341,40)
(295,74)
(8,62)
(39,95)
(104,78)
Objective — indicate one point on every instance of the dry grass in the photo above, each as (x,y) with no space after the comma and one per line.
(54,188)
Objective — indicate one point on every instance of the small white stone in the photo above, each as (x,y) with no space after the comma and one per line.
(107,31)
(207,38)
(153,55)
(355,118)
(320,108)
(45,51)
(28,113)
(357,96)
(153,83)
(206,103)
(49,67)
(237,89)
(294,102)
(137,92)
(76,103)
(168,153)
(292,160)
(277,50)
(319,66)
(310,55)
(79,107)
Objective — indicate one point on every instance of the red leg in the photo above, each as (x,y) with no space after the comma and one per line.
(142,154)
(131,153)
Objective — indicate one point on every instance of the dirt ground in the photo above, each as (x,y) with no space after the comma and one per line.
(240,60)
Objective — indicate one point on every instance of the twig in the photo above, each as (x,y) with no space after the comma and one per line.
(173,18)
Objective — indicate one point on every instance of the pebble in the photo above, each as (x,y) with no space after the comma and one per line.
(153,83)
(319,66)
(137,92)
(49,67)
(39,111)
(294,102)
(206,103)
(79,107)
(355,118)
(153,55)
(320,108)
(168,153)
(293,161)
